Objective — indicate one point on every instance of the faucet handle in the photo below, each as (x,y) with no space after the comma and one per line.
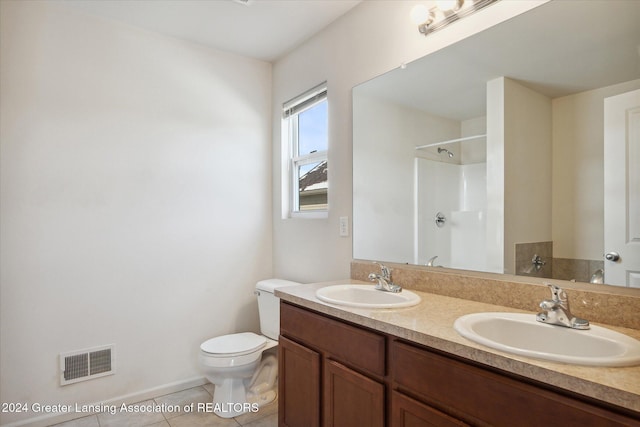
(385,270)
(557,293)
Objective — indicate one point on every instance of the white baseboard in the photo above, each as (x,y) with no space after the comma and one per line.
(49,419)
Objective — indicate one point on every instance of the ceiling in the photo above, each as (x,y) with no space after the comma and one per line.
(261,29)
(558,48)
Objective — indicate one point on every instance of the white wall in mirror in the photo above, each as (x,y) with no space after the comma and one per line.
(386,185)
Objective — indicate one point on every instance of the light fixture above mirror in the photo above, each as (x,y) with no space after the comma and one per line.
(444,13)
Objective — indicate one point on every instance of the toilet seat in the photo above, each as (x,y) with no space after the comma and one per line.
(233,344)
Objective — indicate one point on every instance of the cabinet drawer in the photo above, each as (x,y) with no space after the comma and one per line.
(356,347)
(485,396)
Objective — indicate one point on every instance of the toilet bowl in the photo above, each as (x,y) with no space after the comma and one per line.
(245,380)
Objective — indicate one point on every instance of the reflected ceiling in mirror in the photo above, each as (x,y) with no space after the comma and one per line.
(573,54)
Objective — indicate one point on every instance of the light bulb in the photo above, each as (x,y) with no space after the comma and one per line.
(447,4)
(419,14)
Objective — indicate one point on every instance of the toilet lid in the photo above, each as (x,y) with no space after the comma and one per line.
(244,342)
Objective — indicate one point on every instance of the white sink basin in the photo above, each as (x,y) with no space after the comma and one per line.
(522,334)
(366,296)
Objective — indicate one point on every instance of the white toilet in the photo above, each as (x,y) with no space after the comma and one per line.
(244,379)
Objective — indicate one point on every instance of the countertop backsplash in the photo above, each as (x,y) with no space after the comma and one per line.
(611,305)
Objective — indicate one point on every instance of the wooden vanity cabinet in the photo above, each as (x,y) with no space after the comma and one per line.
(337,374)
(331,374)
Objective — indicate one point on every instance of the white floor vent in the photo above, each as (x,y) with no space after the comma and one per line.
(82,365)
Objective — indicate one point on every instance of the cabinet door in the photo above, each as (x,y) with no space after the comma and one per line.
(298,385)
(406,412)
(351,399)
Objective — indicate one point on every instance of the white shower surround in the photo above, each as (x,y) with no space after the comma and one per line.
(459,192)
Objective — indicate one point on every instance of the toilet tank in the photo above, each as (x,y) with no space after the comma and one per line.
(269,306)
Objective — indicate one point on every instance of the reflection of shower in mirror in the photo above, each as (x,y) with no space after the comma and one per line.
(444,150)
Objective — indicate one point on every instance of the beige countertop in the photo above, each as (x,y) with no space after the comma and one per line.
(431,323)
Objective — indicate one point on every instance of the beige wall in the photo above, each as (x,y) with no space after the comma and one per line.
(527,168)
(136,202)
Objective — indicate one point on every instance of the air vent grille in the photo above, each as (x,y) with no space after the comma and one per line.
(100,361)
(82,365)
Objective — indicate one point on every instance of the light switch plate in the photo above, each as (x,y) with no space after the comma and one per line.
(344,226)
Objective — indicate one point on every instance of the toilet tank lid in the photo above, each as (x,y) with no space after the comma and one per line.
(269,285)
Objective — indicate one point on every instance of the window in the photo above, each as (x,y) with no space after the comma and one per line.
(305,142)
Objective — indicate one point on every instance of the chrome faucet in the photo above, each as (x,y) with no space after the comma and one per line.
(384,281)
(556,310)
(431,261)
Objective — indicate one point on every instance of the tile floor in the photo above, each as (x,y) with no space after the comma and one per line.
(267,416)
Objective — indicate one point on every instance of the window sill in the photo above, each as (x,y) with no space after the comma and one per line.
(310,215)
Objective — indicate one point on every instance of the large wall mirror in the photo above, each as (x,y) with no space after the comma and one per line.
(495,153)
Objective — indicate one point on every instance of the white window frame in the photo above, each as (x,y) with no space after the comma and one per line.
(291,160)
